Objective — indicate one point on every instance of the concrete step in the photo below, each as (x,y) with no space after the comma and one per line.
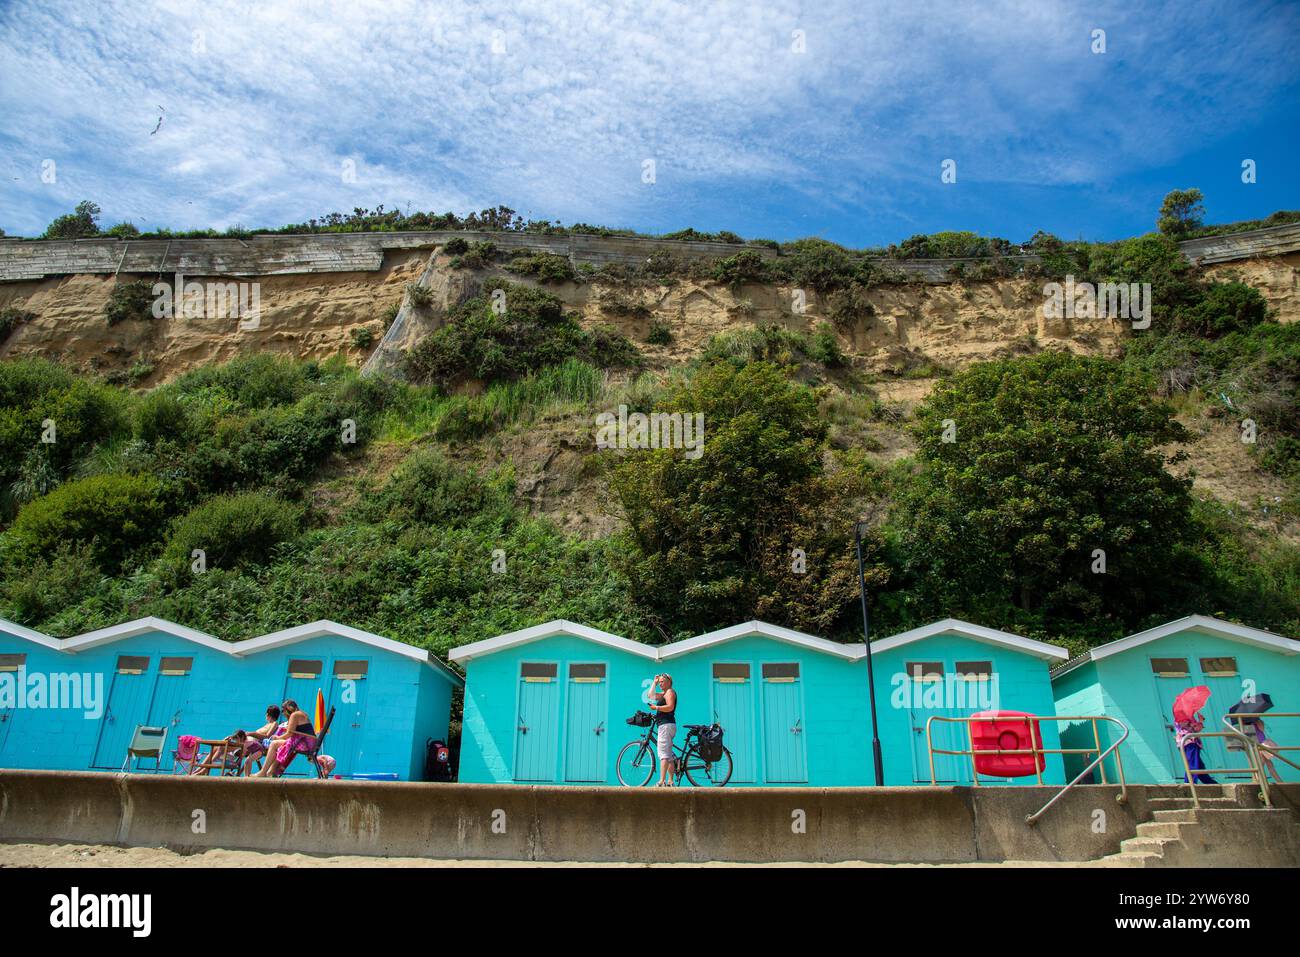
(1146,845)
(1182,814)
(1171,830)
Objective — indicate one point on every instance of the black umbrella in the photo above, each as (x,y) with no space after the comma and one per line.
(1256,704)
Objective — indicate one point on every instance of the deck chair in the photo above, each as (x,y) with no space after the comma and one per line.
(185,755)
(315,748)
(146,742)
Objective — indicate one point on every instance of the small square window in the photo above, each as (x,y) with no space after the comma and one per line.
(304,668)
(132,664)
(1169,667)
(538,671)
(353,670)
(587,674)
(925,670)
(975,670)
(12,662)
(1223,667)
(730,672)
(176,666)
(784,671)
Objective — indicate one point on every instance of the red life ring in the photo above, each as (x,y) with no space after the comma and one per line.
(1010,732)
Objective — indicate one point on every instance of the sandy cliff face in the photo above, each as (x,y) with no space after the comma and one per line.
(308,316)
(1277,278)
(314,315)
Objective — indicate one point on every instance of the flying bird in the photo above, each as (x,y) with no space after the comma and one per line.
(161,111)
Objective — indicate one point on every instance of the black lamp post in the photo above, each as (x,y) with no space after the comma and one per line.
(871,677)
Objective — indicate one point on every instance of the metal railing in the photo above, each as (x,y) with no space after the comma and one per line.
(1249,745)
(1039,751)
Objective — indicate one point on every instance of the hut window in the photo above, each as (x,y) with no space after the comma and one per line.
(132,664)
(12,662)
(730,673)
(353,670)
(587,674)
(1219,667)
(975,670)
(784,672)
(304,668)
(925,670)
(176,666)
(1169,667)
(538,671)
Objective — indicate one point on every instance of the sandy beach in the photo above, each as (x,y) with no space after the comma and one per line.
(105,855)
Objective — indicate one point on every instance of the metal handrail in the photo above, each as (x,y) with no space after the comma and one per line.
(1251,749)
(1101,753)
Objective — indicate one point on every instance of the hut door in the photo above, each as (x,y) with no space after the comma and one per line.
(586,724)
(783,728)
(1219,674)
(301,682)
(1171,679)
(536,734)
(926,696)
(733,708)
(10,664)
(347,696)
(169,694)
(128,706)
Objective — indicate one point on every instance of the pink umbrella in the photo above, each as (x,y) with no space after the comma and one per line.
(1189,702)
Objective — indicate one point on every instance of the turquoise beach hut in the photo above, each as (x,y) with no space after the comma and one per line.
(1137,678)
(548,704)
(74,704)
(953,669)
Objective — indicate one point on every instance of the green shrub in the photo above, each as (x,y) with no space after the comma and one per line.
(848,307)
(531,332)
(363,337)
(40,400)
(117,516)
(660,333)
(129,299)
(547,267)
(746,266)
(1225,307)
(82,223)
(426,489)
(478,255)
(456,246)
(824,347)
(11,317)
(418,296)
(162,417)
(232,531)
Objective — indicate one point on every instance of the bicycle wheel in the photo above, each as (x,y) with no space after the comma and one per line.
(636,764)
(702,774)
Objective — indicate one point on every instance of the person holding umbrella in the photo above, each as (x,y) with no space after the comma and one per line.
(1254,706)
(1189,721)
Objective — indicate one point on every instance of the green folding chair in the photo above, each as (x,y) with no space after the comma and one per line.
(146,742)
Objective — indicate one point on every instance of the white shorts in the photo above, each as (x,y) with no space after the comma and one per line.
(666,734)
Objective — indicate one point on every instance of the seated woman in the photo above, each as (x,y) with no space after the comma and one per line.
(258,741)
(299,736)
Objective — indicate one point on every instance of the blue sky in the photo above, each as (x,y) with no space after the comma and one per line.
(777,120)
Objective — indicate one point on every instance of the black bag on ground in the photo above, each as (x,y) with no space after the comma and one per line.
(710,744)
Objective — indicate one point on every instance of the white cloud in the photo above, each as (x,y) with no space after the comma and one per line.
(552,105)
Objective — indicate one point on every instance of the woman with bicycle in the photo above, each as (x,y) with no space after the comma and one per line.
(664,704)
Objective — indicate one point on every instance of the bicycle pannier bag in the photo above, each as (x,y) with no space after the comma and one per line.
(710,746)
(641,719)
